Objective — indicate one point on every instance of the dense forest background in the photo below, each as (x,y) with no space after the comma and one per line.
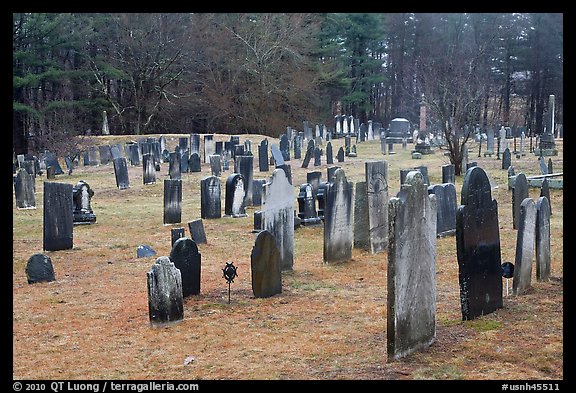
(259,73)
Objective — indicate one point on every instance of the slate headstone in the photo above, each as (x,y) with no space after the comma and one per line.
(277,154)
(58,221)
(39,269)
(257,191)
(361,217)
(447,205)
(519,193)
(338,219)
(543,166)
(550,167)
(144,251)
(376,175)
(411,316)
(234,200)
(478,247)
(307,205)
(121,173)
(263,165)
(149,170)
(194,163)
(174,166)
(197,232)
(278,215)
(329,154)
(340,155)
(24,190)
(209,147)
(525,243)
(105,155)
(314,178)
(545,192)
(176,233)
(307,157)
(542,239)
(195,143)
(186,257)
(448,173)
(172,201)
(216,165)
(317,156)
(165,300)
(285,147)
(245,166)
(265,266)
(210,198)
(134,154)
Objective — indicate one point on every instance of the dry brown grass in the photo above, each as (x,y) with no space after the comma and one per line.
(328,323)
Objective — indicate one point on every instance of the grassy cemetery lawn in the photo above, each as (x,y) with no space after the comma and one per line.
(329,322)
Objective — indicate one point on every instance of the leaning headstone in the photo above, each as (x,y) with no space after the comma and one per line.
(186,257)
(149,175)
(338,219)
(245,166)
(278,215)
(197,232)
(210,197)
(519,193)
(51,160)
(176,233)
(24,190)
(165,300)
(234,200)
(82,210)
(307,205)
(172,201)
(448,173)
(329,154)
(377,192)
(545,192)
(263,165)
(58,221)
(447,205)
(39,269)
(411,317)
(145,251)
(478,247)
(361,224)
(194,163)
(525,242)
(121,173)
(216,165)
(277,154)
(542,239)
(307,157)
(265,266)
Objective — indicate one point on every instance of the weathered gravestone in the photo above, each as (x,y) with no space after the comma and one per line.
(134,154)
(81,197)
(172,201)
(216,165)
(340,155)
(307,157)
(550,167)
(338,218)
(278,215)
(376,173)
(307,205)
(186,257)
(297,145)
(525,242)
(329,154)
(176,233)
(447,205)
(543,166)
(194,164)
(519,193)
(165,300)
(331,172)
(361,217)
(320,197)
(263,165)
(542,239)
(24,190)
(545,192)
(244,165)
(121,173)
(317,156)
(115,151)
(234,200)
(144,251)
(197,232)
(184,161)
(149,170)
(174,166)
(195,143)
(478,247)
(285,147)
(105,155)
(209,148)
(448,173)
(411,317)
(39,269)
(314,179)
(51,160)
(257,191)
(265,266)
(58,221)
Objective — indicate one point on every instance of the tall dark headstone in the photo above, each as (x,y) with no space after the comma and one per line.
(134,154)
(542,239)
(245,166)
(197,232)
(376,173)
(184,161)
(263,164)
(321,198)
(234,200)
(297,147)
(506,158)
(209,148)
(265,266)
(174,166)
(39,269)
(194,163)
(361,217)
(121,173)
(149,169)
(307,205)
(448,173)
(545,192)
(216,165)
(278,215)
(307,157)
(478,247)
(525,242)
(195,143)
(447,205)
(172,201)
(58,220)
(550,167)
(338,219)
(519,193)
(285,147)
(329,154)
(411,316)
(81,197)
(317,156)
(186,257)
(165,300)
(210,197)
(24,190)
(105,155)
(340,155)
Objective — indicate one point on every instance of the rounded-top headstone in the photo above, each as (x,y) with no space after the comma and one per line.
(39,269)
